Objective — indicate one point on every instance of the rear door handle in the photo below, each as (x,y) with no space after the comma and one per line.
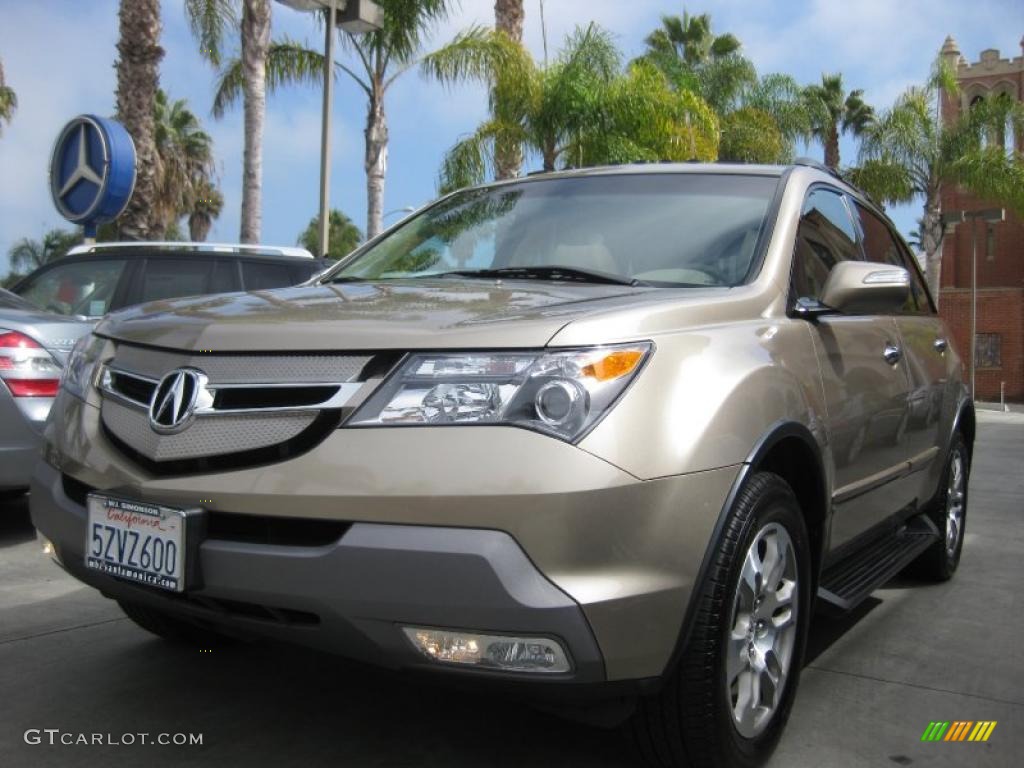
(940,345)
(892,354)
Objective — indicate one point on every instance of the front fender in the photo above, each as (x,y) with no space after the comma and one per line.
(708,395)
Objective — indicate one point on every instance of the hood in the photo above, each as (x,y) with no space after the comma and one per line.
(412,314)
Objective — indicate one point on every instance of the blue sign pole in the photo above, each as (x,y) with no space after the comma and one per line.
(92,171)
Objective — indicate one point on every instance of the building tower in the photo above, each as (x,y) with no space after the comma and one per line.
(1000,341)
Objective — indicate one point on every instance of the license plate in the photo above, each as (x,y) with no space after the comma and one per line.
(136,541)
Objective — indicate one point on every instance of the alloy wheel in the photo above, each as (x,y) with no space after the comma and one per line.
(955,503)
(763,631)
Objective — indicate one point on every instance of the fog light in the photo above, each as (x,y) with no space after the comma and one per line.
(47,546)
(512,654)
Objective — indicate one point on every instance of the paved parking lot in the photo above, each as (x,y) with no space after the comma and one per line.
(912,654)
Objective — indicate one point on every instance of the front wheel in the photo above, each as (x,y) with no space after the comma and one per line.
(727,700)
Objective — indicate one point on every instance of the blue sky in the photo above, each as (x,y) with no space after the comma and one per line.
(59,55)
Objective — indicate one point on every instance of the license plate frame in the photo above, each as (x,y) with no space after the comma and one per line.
(128,533)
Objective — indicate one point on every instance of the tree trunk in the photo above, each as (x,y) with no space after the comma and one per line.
(549,154)
(508,18)
(199,225)
(255,47)
(508,155)
(931,242)
(137,80)
(832,148)
(375,163)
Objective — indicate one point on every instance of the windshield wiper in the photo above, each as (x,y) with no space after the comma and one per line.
(546,273)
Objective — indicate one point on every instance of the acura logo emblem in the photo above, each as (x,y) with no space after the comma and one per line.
(174,400)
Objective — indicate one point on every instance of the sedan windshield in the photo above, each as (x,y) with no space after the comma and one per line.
(667,229)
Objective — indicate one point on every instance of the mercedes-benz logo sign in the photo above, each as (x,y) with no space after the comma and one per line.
(92,170)
(174,400)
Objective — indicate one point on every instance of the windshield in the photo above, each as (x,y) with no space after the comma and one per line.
(667,229)
(83,288)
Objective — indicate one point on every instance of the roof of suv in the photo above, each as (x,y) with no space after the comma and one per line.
(817,171)
(264,251)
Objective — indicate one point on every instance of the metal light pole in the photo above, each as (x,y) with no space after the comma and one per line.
(988,215)
(325,131)
(357,17)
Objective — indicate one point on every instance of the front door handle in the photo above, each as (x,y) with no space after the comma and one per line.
(892,354)
(940,345)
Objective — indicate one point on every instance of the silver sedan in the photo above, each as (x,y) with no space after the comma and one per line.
(33,348)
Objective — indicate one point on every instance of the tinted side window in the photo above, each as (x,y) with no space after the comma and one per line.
(225,277)
(173,278)
(880,245)
(259,275)
(78,288)
(825,237)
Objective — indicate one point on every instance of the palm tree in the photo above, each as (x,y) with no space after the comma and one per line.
(8,100)
(508,20)
(206,207)
(689,38)
(184,164)
(211,20)
(579,109)
(909,154)
(381,56)
(137,81)
(344,235)
(761,118)
(27,255)
(693,58)
(834,111)
(763,121)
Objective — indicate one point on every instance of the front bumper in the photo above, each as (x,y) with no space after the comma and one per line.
(490,529)
(360,590)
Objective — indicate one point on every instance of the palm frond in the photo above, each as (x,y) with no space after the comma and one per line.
(210,22)
(288,62)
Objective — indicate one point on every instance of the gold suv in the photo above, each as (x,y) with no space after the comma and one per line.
(612,433)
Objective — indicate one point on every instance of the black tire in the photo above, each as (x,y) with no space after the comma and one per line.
(939,562)
(10,494)
(170,627)
(690,721)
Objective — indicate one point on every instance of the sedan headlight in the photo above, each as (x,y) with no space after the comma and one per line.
(562,393)
(81,365)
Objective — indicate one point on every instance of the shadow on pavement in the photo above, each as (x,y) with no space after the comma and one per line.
(826,630)
(15,525)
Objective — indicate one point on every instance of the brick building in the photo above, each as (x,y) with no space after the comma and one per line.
(1000,341)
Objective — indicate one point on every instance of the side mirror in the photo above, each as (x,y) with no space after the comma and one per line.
(865,288)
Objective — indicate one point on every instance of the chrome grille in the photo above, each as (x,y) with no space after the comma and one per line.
(246,402)
(230,433)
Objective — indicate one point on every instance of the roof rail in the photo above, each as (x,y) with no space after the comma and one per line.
(249,250)
(810,162)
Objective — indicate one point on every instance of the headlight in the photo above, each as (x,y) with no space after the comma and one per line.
(562,393)
(81,364)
